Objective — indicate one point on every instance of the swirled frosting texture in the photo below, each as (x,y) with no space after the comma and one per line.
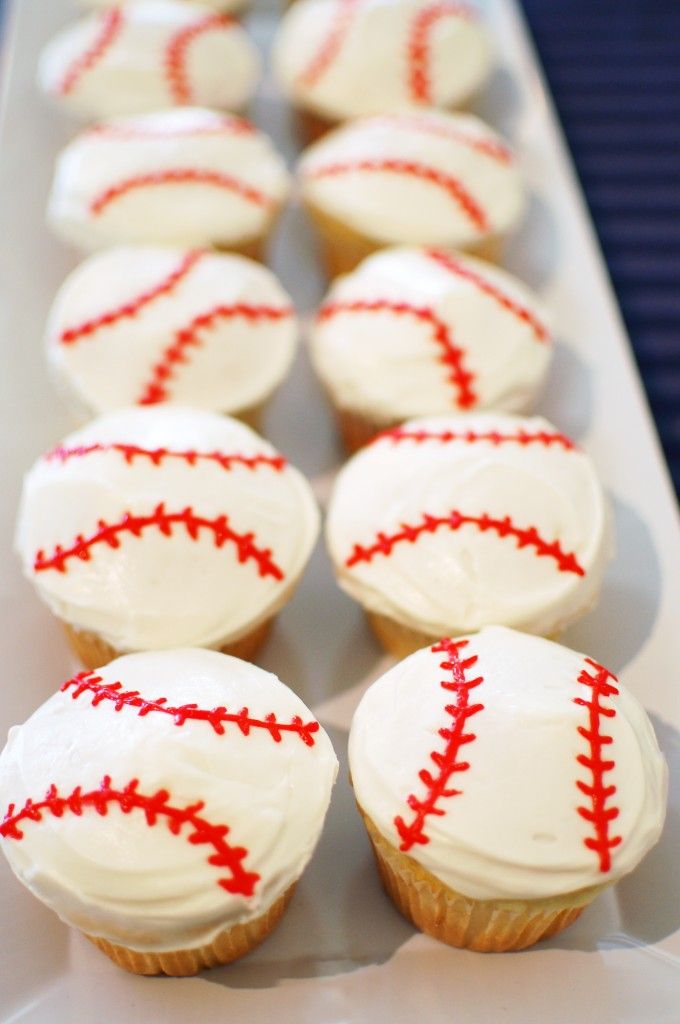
(509,825)
(154,54)
(449,524)
(348,58)
(147,324)
(416,332)
(123,874)
(186,176)
(423,178)
(166,526)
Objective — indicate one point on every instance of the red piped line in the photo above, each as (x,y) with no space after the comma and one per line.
(452,186)
(179,176)
(524,438)
(176,54)
(112,22)
(225,125)
(88,682)
(447,761)
(526,537)
(130,309)
(160,519)
(331,44)
(454,266)
(418,45)
(452,356)
(155,807)
(419,123)
(157,456)
(189,337)
(598,813)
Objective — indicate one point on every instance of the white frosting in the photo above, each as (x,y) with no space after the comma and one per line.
(104,357)
(347,58)
(185,176)
(399,337)
(167,584)
(415,178)
(514,829)
(452,580)
(214,5)
(131,881)
(159,53)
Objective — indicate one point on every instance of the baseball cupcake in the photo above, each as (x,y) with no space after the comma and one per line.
(226,6)
(421,178)
(187,176)
(504,782)
(446,525)
(154,54)
(139,325)
(156,527)
(340,59)
(177,802)
(417,332)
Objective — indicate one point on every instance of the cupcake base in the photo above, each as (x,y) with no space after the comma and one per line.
(396,638)
(94,652)
(487,926)
(356,430)
(229,945)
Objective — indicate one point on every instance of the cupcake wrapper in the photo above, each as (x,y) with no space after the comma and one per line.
(487,926)
(229,945)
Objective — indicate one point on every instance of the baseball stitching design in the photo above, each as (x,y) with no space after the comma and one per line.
(492,148)
(179,176)
(224,125)
(601,684)
(177,50)
(526,537)
(452,356)
(164,521)
(90,683)
(453,187)
(332,43)
(155,807)
(398,435)
(447,761)
(418,46)
(157,456)
(112,22)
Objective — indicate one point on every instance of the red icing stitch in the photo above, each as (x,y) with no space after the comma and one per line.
(225,125)
(88,682)
(157,456)
(331,45)
(176,54)
(452,356)
(428,126)
(420,86)
(130,309)
(450,263)
(521,437)
(156,390)
(111,25)
(179,176)
(598,792)
(447,761)
(526,537)
(155,807)
(160,519)
(452,186)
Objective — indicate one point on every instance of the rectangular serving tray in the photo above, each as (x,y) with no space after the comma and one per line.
(342,953)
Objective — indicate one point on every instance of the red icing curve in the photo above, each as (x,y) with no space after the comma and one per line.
(428,126)
(526,537)
(397,435)
(155,807)
(331,44)
(452,356)
(157,456)
(89,682)
(112,22)
(601,683)
(418,46)
(164,521)
(226,124)
(447,761)
(176,54)
(179,176)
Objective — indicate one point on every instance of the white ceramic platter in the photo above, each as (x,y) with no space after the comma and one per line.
(342,953)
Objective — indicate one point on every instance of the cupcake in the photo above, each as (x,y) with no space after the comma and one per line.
(186,176)
(443,526)
(158,53)
(340,59)
(151,528)
(418,332)
(226,6)
(504,782)
(145,324)
(178,801)
(422,178)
